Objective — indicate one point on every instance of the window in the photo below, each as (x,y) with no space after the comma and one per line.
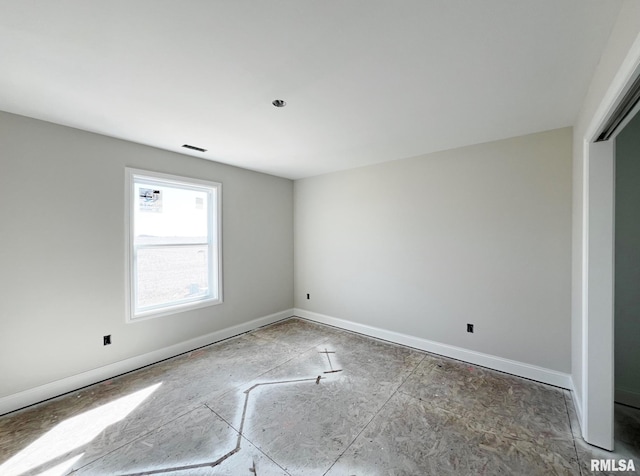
(173,234)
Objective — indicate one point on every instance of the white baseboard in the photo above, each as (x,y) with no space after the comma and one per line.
(540,374)
(627,397)
(28,397)
(74,382)
(577,404)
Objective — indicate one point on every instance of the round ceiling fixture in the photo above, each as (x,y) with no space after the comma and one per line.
(278,103)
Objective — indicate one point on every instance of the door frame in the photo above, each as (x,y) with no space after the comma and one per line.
(597,279)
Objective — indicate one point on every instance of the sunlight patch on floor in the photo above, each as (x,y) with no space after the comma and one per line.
(62,468)
(73,433)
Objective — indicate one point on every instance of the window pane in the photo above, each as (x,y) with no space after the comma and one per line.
(172,274)
(174,253)
(165,214)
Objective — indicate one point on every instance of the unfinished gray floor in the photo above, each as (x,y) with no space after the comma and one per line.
(300,398)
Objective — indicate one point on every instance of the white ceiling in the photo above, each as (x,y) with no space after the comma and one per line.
(366,81)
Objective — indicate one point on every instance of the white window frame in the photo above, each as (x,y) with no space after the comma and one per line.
(214,230)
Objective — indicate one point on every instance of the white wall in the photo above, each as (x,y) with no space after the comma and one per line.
(605,85)
(422,246)
(62,256)
(627,265)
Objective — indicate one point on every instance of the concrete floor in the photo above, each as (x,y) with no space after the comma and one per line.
(300,398)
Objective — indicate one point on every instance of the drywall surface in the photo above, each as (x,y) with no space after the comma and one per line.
(623,36)
(627,265)
(424,246)
(63,243)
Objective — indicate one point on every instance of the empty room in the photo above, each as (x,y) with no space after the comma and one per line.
(342,238)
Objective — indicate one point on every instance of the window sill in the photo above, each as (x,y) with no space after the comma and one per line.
(168,311)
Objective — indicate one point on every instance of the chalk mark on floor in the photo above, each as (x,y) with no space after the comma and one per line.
(253,469)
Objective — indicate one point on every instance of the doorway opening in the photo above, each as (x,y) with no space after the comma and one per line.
(598,264)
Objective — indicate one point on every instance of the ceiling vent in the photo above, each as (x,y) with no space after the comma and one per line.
(193,147)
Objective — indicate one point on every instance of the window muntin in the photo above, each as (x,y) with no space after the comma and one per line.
(174,244)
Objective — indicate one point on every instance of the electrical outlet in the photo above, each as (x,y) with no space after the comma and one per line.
(470,328)
(106,340)
(308,296)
